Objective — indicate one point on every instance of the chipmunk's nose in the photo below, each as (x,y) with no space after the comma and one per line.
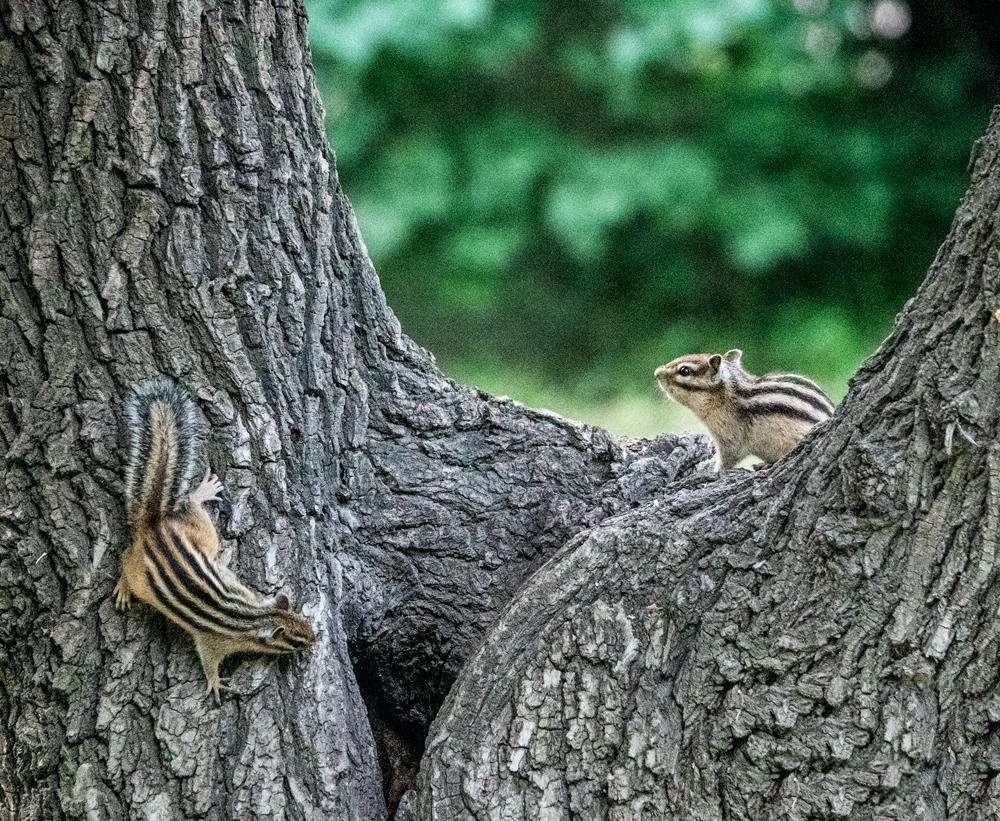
(660,372)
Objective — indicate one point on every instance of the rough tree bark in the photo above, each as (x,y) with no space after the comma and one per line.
(170,206)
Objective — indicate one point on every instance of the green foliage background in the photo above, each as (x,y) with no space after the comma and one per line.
(560,196)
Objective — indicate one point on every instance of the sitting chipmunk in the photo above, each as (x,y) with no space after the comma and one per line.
(746,415)
(172,564)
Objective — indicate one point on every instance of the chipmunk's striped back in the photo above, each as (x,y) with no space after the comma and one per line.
(192,592)
(786,394)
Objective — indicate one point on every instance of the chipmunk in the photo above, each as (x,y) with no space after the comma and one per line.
(747,415)
(172,563)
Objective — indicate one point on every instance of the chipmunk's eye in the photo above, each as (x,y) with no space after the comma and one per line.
(685,370)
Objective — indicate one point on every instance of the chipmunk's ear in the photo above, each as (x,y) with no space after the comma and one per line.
(733,356)
(281,602)
(714,363)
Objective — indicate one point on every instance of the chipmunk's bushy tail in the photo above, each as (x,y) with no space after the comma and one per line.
(163,434)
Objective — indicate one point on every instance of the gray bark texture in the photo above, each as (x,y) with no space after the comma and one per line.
(818,639)
(170,206)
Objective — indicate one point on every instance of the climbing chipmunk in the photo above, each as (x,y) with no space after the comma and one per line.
(172,564)
(747,415)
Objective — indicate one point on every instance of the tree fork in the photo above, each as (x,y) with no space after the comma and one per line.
(817,638)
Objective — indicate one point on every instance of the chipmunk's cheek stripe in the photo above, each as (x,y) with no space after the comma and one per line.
(693,388)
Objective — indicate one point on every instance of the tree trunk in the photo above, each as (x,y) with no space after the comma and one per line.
(170,207)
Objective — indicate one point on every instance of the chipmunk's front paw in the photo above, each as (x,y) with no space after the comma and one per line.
(208,490)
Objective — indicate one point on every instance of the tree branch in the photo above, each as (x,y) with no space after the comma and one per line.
(814,639)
